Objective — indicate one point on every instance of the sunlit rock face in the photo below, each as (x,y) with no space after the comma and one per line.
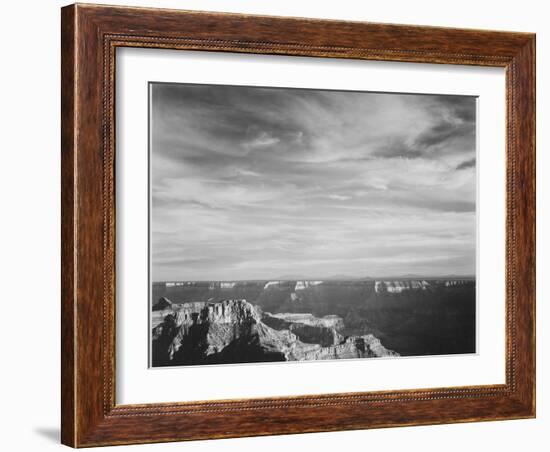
(272,284)
(399,286)
(233,331)
(307,327)
(227,285)
(303,285)
(352,347)
(457,283)
(328,321)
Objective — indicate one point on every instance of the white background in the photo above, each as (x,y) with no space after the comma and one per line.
(138,384)
(29,381)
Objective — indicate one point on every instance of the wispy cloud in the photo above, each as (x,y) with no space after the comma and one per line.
(467,164)
(258,182)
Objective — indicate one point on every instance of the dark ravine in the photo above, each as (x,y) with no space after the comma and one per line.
(235,331)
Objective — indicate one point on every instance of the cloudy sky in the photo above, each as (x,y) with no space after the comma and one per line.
(266,183)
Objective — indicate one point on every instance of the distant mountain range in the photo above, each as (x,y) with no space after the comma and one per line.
(407,276)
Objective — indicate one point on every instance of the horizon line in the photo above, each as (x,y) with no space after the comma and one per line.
(366,278)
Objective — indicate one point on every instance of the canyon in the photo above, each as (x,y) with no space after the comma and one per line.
(299,319)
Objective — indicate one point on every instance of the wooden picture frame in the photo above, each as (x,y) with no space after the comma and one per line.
(90,36)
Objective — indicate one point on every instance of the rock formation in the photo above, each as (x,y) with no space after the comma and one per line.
(398,286)
(162,304)
(302,285)
(366,346)
(233,331)
(328,321)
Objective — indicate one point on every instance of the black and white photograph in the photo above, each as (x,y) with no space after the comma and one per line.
(290,224)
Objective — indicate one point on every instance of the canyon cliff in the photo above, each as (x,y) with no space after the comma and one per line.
(235,331)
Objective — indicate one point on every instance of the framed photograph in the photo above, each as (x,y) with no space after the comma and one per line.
(280,225)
